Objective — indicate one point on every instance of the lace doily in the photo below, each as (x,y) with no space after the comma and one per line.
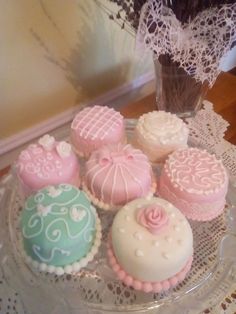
(197,46)
(207,130)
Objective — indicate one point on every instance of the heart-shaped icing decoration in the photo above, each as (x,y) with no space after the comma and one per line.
(77,214)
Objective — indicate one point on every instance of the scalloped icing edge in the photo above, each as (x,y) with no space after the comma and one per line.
(74,267)
(106,207)
(145,286)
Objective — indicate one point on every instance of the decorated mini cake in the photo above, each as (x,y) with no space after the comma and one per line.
(195,182)
(45,163)
(159,133)
(151,245)
(60,229)
(117,174)
(94,127)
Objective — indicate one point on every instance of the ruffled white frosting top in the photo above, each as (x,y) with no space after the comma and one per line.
(159,133)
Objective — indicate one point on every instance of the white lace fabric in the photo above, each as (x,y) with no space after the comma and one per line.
(197,46)
(207,130)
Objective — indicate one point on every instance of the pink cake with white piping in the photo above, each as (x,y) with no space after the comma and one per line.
(195,182)
(94,127)
(46,163)
(117,174)
(151,245)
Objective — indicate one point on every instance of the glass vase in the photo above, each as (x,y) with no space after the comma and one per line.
(176,91)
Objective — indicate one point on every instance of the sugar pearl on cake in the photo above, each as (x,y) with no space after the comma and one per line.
(68,269)
(121,230)
(176,228)
(51,269)
(139,253)
(76,267)
(127,218)
(156,243)
(165,255)
(59,271)
(42,267)
(138,236)
(169,239)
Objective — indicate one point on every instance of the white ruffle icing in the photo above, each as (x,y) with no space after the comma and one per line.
(197,46)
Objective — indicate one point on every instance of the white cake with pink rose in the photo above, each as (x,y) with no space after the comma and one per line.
(151,245)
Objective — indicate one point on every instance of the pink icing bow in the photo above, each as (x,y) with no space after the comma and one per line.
(153,217)
(106,157)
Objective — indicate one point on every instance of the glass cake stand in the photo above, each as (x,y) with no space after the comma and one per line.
(95,289)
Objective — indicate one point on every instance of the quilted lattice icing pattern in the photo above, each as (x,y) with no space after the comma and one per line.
(197,46)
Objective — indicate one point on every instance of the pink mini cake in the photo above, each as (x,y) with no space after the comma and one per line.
(195,182)
(151,245)
(117,174)
(46,163)
(94,127)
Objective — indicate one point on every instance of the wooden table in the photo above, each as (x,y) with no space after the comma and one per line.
(222,95)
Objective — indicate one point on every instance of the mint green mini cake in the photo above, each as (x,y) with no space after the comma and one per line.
(60,228)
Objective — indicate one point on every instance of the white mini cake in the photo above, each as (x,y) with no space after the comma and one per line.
(159,133)
(151,245)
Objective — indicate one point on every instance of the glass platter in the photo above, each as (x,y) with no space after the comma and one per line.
(95,289)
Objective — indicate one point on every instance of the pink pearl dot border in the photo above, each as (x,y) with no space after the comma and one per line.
(155,287)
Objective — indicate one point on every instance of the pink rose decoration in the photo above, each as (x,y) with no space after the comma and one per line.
(153,217)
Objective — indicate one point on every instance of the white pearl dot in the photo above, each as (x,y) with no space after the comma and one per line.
(169,239)
(127,218)
(139,253)
(176,228)
(156,243)
(68,269)
(138,236)
(165,255)
(76,267)
(121,230)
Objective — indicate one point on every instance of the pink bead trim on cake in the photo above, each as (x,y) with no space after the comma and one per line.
(105,206)
(155,287)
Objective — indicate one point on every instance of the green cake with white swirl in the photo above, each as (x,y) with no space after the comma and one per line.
(60,228)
